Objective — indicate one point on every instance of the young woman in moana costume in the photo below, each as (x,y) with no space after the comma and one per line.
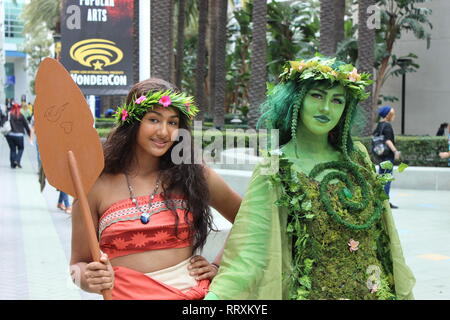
(152,215)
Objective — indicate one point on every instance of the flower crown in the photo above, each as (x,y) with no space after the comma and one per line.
(133,111)
(319,68)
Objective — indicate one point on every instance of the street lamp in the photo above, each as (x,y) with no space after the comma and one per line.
(403,63)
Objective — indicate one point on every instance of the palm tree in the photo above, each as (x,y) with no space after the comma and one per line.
(220,64)
(200,74)
(37,12)
(161,39)
(40,17)
(258,72)
(366,58)
(2,54)
(180,42)
(327,27)
(340,19)
(212,41)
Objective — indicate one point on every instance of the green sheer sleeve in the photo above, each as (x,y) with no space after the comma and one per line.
(255,254)
(403,276)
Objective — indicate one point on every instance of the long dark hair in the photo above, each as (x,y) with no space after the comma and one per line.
(119,150)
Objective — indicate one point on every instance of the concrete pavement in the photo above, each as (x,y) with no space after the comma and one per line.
(35,236)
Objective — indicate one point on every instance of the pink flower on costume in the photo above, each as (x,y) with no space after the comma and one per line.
(140,99)
(353,245)
(188,106)
(124,115)
(165,101)
(354,76)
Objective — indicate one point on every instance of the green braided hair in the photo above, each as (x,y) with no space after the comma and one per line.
(283,106)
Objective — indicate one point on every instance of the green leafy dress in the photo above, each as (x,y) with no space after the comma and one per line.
(294,239)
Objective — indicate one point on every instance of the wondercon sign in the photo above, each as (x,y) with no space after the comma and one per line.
(97,45)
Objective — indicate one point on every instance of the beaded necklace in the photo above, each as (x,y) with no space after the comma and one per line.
(145,216)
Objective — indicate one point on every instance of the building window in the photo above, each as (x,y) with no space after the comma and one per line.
(13,23)
(10,80)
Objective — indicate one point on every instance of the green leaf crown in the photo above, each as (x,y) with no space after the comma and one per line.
(320,68)
(134,111)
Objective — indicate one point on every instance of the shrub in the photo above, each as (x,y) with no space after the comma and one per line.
(104,122)
(416,150)
(103,132)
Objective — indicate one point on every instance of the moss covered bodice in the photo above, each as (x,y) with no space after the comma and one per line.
(340,247)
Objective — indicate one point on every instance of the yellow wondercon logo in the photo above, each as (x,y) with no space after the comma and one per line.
(96,53)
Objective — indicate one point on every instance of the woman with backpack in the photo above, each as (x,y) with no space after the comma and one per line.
(384,128)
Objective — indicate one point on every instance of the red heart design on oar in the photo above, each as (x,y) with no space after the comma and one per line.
(67,126)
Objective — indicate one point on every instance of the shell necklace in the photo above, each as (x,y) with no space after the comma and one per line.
(145,216)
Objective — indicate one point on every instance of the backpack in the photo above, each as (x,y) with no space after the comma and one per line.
(379,146)
(5,129)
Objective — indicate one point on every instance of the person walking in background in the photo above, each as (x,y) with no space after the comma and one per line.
(386,115)
(3,114)
(9,104)
(30,107)
(441,130)
(26,111)
(64,203)
(19,126)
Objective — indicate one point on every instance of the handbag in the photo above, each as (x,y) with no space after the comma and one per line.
(6,128)
(379,146)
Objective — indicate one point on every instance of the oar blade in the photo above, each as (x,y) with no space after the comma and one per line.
(64,122)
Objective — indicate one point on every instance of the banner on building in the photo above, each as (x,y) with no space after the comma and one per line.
(97,45)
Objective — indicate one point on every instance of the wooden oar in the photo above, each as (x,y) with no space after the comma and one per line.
(70,148)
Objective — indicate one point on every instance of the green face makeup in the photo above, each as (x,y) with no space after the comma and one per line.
(322,109)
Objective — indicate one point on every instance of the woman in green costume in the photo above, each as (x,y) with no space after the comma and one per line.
(321,226)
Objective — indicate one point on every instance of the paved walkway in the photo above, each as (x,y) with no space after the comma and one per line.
(35,236)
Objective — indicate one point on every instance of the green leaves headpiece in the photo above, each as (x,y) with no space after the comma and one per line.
(141,105)
(319,68)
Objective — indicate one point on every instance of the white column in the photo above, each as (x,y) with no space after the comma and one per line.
(144,39)
(91,102)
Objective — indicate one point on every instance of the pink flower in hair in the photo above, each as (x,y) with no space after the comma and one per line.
(124,115)
(354,76)
(140,99)
(188,106)
(165,101)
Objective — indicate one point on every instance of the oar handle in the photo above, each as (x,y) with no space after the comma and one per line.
(86,213)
